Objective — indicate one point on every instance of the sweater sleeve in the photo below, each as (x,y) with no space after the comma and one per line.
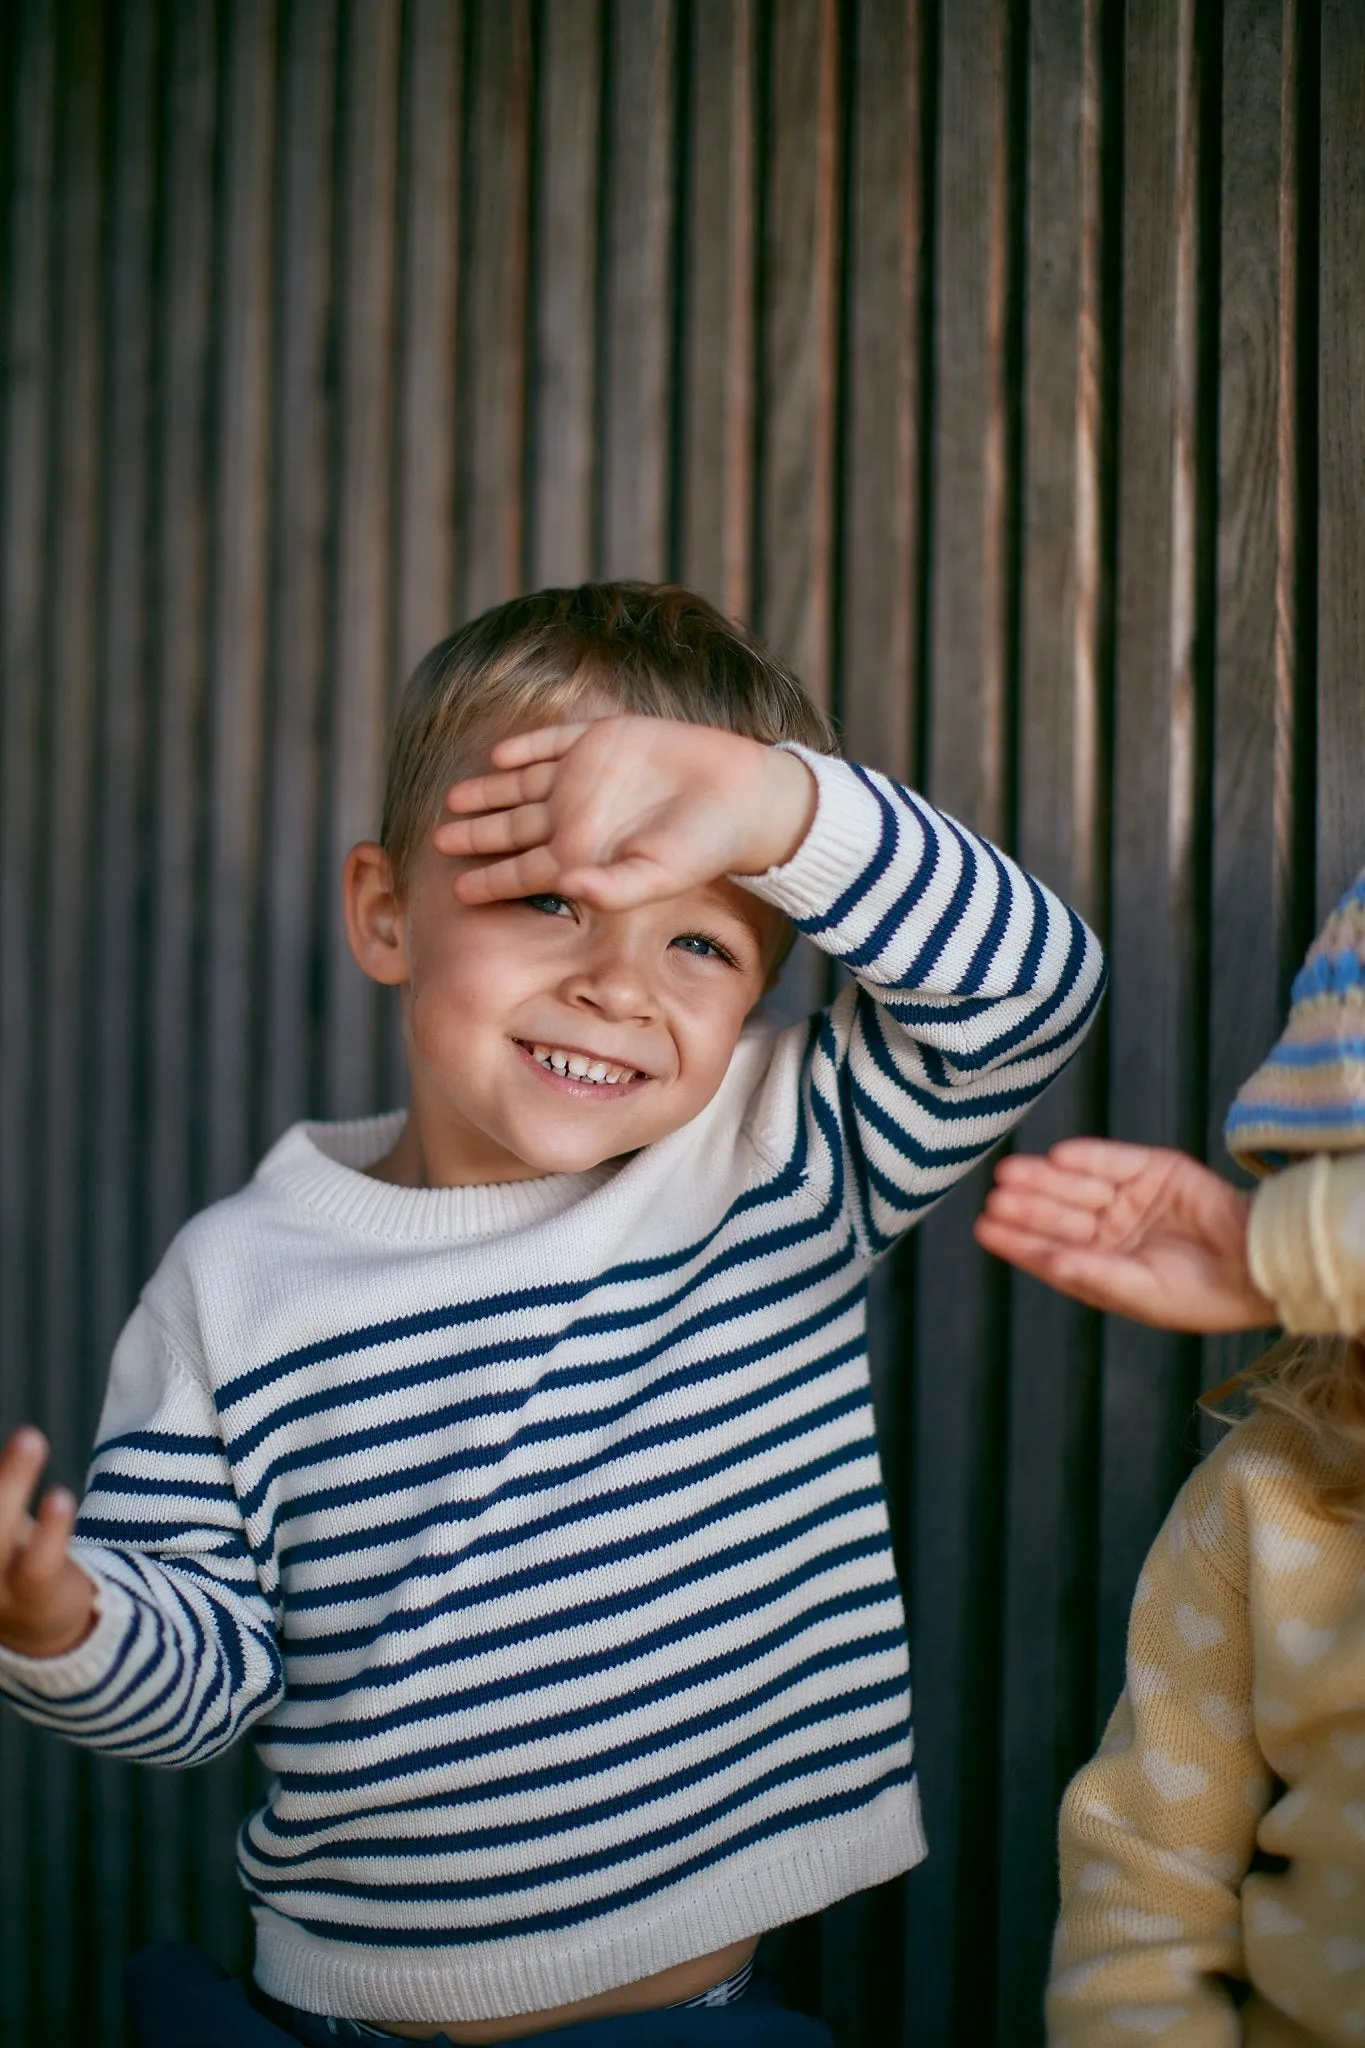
(972,987)
(182,1657)
(1158,1830)
(1307,1244)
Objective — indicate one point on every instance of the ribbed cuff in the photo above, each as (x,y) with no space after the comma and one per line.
(844,834)
(1284,1239)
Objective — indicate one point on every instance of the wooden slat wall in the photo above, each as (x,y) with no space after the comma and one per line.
(1002,361)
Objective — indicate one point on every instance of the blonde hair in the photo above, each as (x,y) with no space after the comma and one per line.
(1318,1384)
(653,649)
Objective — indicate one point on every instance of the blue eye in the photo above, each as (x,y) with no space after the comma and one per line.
(702,948)
(549,905)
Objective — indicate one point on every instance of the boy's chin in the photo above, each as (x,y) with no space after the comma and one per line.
(542,1158)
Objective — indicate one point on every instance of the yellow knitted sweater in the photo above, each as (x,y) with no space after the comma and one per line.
(1241,1731)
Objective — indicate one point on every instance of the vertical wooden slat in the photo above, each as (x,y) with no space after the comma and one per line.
(1045,1698)
(959,1378)
(63,888)
(238,583)
(882,454)
(426,371)
(634,357)
(1252,926)
(424,509)
(23,536)
(182,351)
(880,634)
(360,640)
(120,811)
(564,291)
(799,339)
(490,511)
(1154,1007)
(717,452)
(1341,529)
(182,373)
(299,524)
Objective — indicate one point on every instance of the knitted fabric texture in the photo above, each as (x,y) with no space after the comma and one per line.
(1309,1094)
(537,1530)
(1242,1727)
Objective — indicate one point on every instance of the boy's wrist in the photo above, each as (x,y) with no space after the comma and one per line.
(784,811)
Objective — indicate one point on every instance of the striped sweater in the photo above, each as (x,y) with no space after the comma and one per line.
(536,1530)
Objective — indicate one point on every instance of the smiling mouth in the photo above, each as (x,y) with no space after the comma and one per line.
(581,1066)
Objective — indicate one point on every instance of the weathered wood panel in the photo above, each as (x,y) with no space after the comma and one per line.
(1001,363)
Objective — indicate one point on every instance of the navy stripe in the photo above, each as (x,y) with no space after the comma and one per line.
(549,1820)
(286,1737)
(580,1720)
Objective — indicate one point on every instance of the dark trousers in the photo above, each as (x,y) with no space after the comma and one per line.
(178,1997)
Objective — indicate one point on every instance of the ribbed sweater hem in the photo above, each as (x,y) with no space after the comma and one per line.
(779,1880)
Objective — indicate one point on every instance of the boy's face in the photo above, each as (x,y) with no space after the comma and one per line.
(512,1008)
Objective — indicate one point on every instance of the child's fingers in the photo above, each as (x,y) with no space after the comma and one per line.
(1107,1159)
(21,1463)
(547,743)
(1048,1220)
(43,1555)
(496,831)
(1093,1278)
(502,791)
(1026,1172)
(533,873)
(627,883)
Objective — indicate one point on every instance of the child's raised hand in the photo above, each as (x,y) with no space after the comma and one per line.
(47,1603)
(1139,1230)
(624,811)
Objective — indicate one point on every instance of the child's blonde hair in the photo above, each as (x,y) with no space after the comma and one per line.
(655,649)
(1317,1383)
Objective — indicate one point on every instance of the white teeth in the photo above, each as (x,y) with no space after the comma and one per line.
(581,1067)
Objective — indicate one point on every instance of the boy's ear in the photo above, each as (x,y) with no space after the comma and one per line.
(374,914)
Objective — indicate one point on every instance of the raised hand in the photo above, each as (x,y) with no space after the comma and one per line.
(1139,1230)
(624,811)
(47,1603)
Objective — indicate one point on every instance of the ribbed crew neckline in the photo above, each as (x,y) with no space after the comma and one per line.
(323,1166)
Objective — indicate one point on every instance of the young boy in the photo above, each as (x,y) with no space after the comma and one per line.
(508,1464)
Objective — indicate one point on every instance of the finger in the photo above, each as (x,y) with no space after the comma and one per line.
(535,872)
(1026,1173)
(496,832)
(547,743)
(1092,1278)
(21,1464)
(1059,1223)
(1109,1159)
(503,791)
(42,1557)
(625,885)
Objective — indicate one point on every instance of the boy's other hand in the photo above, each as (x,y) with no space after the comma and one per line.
(47,1603)
(1136,1229)
(623,811)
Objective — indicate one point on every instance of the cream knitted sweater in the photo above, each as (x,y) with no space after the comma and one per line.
(1240,1736)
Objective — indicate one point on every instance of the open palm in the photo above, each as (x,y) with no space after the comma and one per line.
(1136,1229)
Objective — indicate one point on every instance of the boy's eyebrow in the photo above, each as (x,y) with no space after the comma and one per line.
(749,912)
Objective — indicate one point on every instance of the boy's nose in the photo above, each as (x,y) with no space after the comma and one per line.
(612,980)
